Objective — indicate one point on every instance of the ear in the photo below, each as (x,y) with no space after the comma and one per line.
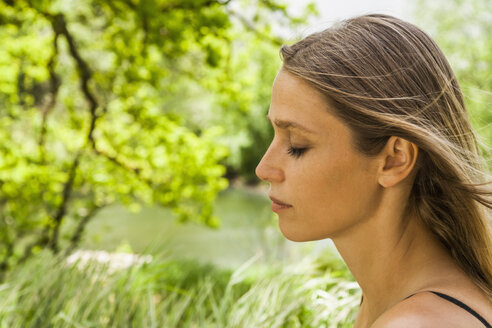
(397,161)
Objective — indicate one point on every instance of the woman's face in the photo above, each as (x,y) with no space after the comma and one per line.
(312,166)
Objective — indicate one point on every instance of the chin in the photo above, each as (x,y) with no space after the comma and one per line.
(298,236)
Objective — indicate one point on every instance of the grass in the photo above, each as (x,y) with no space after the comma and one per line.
(50,292)
(192,276)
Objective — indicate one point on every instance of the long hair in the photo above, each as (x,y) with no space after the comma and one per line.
(386,77)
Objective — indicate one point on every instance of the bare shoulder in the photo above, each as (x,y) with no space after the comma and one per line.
(426,310)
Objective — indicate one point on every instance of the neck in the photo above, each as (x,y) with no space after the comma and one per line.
(391,255)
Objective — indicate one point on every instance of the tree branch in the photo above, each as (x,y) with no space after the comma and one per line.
(7,240)
(60,27)
(191,5)
(250,27)
(41,241)
(79,230)
(60,214)
(54,86)
(4,265)
(135,170)
(85,73)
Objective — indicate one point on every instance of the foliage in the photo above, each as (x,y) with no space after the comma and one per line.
(243,83)
(462,28)
(49,293)
(92,96)
(244,103)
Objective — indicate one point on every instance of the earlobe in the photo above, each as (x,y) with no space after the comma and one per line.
(398,160)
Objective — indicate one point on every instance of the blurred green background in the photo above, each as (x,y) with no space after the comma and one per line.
(133,127)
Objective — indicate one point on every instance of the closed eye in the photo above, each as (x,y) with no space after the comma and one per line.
(296,152)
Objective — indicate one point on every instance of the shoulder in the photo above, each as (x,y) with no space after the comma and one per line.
(425,310)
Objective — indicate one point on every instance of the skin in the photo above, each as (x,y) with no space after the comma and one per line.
(334,191)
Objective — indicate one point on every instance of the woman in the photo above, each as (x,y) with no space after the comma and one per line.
(373,148)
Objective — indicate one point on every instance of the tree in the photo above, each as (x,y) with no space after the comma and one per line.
(90,95)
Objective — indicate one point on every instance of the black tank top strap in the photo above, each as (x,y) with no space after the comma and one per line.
(461,305)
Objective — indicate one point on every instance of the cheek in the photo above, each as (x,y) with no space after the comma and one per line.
(339,193)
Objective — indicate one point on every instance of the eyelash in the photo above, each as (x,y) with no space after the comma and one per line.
(296,152)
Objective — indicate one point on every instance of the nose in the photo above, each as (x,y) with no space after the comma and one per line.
(269,168)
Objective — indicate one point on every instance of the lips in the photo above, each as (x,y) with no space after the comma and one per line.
(278,206)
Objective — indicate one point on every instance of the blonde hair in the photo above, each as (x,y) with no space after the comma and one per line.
(386,77)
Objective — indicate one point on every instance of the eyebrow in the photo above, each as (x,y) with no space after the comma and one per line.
(283,124)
